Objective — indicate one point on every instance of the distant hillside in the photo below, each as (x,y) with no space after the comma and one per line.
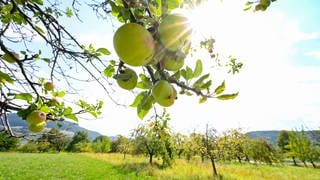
(20,126)
(271,136)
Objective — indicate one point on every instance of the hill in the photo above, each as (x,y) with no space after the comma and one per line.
(272,135)
(20,126)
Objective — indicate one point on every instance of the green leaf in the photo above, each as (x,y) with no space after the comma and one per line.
(69,12)
(139,98)
(71,116)
(228,96)
(104,51)
(220,88)
(40,2)
(39,29)
(202,100)
(198,69)
(109,71)
(189,73)
(4,77)
(67,111)
(47,60)
(206,85)
(145,106)
(59,94)
(200,82)
(24,96)
(145,82)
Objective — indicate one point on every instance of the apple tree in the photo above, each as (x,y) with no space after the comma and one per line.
(41,60)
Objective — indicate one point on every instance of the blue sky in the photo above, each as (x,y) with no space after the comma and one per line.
(279,85)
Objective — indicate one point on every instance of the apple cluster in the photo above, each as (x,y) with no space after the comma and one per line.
(163,49)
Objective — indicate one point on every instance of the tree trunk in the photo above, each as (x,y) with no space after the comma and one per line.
(247,159)
(313,164)
(202,158)
(304,163)
(213,166)
(239,159)
(124,155)
(294,161)
(150,158)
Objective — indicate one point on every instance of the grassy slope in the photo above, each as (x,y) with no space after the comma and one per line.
(59,166)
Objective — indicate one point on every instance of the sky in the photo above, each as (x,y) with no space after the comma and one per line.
(278,86)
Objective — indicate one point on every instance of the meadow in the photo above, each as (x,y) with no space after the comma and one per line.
(114,166)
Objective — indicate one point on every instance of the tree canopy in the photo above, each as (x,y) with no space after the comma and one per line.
(36,78)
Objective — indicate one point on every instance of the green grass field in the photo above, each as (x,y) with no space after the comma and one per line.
(113,166)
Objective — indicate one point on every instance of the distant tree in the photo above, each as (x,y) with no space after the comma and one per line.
(123,145)
(29,147)
(179,142)
(283,144)
(210,146)
(56,139)
(230,145)
(8,142)
(79,137)
(301,146)
(194,146)
(155,138)
(260,150)
(101,144)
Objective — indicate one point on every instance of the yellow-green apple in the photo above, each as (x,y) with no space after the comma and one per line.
(174,31)
(127,79)
(174,62)
(37,127)
(36,117)
(134,44)
(48,86)
(164,93)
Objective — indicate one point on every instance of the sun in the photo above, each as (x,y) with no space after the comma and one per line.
(214,18)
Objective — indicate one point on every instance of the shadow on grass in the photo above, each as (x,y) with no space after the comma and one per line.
(144,169)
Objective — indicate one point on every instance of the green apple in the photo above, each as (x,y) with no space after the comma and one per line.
(7,57)
(48,86)
(173,62)
(127,79)
(134,44)
(37,127)
(174,31)
(164,93)
(53,102)
(36,117)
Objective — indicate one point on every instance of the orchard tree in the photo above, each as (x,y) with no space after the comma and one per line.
(283,144)
(179,143)
(155,138)
(101,144)
(41,59)
(79,141)
(211,146)
(123,145)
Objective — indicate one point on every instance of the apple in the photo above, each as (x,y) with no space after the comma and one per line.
(36,117)
(127,79)
(53,102)
(134,44)
(174,31)
(164,93)
(37,127)
(7,57)
(173,62)
(48,86)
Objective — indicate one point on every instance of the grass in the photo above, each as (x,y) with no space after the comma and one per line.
(197,170)
(113,166)
(22,166)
